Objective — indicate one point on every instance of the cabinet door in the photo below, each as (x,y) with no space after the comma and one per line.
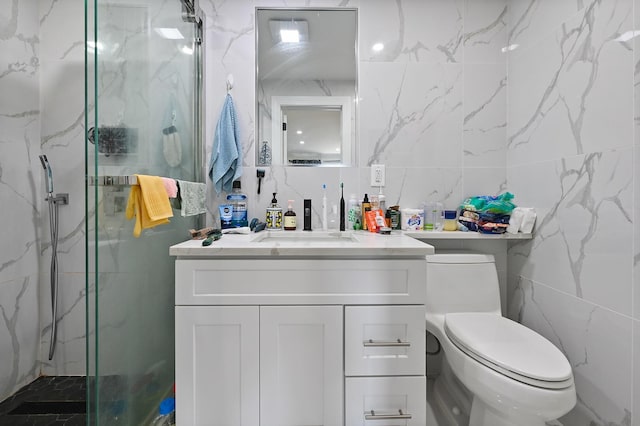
(301,374)
(217,376)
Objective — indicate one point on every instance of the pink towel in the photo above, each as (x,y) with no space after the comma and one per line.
(170,186)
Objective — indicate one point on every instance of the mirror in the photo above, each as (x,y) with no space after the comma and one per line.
(306,85)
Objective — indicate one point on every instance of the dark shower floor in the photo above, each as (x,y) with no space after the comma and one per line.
(54,400)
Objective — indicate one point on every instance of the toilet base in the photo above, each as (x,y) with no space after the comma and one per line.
(483,415)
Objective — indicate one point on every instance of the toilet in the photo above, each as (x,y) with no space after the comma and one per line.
(513,375)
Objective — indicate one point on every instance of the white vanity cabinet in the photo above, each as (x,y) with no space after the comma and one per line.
(300,340)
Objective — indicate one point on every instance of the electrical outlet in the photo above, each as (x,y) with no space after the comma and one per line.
(377,175)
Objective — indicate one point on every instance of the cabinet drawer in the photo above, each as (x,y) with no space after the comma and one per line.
(300,282)
(385,401)
(384,340)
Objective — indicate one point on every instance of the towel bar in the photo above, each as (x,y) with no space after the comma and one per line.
(125,180)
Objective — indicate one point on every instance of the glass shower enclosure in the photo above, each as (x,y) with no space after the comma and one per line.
(142,117)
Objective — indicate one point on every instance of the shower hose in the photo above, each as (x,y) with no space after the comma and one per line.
(53,229)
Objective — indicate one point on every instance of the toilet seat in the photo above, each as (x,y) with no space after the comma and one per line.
(509,348)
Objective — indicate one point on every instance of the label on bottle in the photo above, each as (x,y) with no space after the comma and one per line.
(290,222)
(274,218)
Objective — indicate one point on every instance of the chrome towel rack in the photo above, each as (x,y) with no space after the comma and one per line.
(110,180)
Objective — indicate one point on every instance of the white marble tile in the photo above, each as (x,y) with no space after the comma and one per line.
(484,181)
(569,94)
(411,114)
(69,357)
(636,236)
(636,373)
(485,115)
(596,341)
(485,31)
(409,187)
(412,31)
(583,234)
(18,333)
(530,20)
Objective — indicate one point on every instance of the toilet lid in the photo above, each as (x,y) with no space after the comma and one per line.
(510,348)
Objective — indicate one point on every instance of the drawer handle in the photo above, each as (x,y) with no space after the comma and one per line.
(399,416)
(397,343)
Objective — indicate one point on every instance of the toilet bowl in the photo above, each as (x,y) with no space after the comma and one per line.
(515,376)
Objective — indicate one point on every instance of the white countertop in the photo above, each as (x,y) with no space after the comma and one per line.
(354,244)
(459,235)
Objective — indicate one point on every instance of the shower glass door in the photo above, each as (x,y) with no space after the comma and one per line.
(141,82)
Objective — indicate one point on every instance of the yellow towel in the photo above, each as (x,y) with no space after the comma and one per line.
(149,203)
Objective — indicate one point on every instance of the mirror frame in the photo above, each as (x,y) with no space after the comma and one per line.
(280,151)
(349,123)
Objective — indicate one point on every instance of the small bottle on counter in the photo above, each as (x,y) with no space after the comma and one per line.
(274,215)
(366,206)
(290,223)
(238,201)
(450,220)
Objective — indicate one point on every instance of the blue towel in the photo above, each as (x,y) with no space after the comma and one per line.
(225,165)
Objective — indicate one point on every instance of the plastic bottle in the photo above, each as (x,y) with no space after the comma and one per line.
(290,223)
(166,412)
(353,212)
(450,220)
(334,220)
(366,206)
(238,201)
(274,215)
(382,201)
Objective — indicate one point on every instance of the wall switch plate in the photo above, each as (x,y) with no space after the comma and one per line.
(377,175)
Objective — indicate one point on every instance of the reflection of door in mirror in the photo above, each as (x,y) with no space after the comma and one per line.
(312,81)
(315,135)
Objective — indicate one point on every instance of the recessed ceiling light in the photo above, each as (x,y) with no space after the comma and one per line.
(378,47)
(186,50)
(289,30)
(169,33)
(290,36)
(299,132)
(338,149)
(301,142)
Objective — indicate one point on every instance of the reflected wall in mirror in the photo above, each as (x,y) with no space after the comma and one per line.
(306,86)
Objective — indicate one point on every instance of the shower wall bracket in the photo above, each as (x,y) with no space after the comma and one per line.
(59,199)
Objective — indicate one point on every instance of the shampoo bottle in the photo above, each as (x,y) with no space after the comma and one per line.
(353,212)
(290,223)
(366,206)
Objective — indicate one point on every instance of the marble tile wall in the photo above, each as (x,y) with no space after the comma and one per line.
(431,104)
(570,154)
(20,194)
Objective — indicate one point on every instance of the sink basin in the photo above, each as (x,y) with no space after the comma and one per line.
(304,236)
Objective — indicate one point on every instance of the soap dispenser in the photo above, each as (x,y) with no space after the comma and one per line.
(274,215)
(290,223)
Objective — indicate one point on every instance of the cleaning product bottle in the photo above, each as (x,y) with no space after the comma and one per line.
(334,220)
(290,223)
(353,212)
(366,206)
(382,200)
(274,215)
(238,202)
(324,207)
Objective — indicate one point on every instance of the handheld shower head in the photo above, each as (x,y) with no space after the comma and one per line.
(48,174)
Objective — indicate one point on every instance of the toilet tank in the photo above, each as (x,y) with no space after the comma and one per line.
(462,282)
